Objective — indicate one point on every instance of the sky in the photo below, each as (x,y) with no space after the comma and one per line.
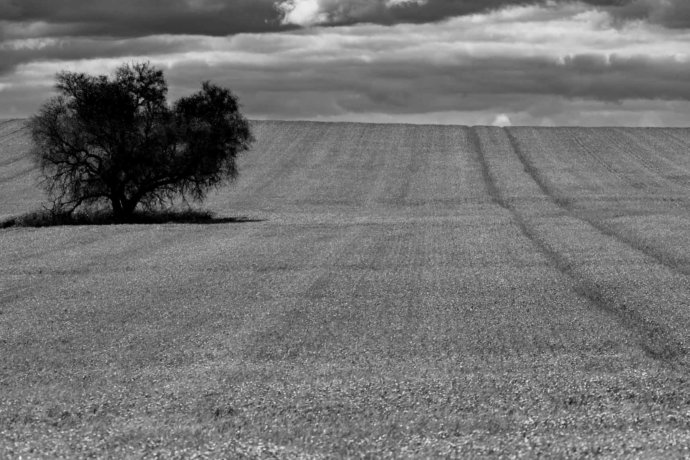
(470,62)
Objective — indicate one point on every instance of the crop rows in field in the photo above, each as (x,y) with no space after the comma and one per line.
(582,246)
(603,208)
(401,290)
(17,170)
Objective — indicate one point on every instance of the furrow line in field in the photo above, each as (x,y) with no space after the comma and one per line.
(18,130)
(281,166)
(489,181)
(682,160)
(673,134)
(677,264)
(23,126)
(8,295)
(654,339)
(288,330)
(662,170)
(587,150)
(17,174)
(16,159)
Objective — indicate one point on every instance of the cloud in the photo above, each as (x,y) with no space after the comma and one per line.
(302,12)
(133,18)
(559,64)
(501,120)
(136,18)
(140,18)
(387,12)
(17,52)
(533,69)
(670,13)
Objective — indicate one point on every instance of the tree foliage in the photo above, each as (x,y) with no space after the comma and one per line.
(117,141)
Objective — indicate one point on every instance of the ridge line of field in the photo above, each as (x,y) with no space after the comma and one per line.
(664,258)
(653,339)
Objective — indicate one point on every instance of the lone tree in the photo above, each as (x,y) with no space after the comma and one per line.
(117,141)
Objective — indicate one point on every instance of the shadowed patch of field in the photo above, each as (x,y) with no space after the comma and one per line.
(400,291)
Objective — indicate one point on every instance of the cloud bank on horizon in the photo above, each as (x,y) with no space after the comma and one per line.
(543,62)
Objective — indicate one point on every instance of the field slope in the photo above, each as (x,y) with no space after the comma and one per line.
(397,291)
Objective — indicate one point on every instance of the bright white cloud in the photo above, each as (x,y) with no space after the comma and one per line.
(501,120)
(301,12)
(314,12)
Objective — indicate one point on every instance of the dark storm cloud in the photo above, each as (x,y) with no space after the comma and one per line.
(669,13)
(134,18)
(131,18)
(125,18)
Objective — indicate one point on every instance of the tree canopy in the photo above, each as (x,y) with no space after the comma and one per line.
(117,141)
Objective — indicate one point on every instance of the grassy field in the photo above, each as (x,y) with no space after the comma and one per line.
(397,291)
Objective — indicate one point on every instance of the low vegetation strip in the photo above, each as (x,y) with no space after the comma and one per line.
(395,292)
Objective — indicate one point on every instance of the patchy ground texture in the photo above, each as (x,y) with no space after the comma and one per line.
(398,292)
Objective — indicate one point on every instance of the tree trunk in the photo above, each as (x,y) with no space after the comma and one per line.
(123,208)
(118,214)
(128,207)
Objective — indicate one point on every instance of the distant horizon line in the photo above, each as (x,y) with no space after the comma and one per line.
(398,123)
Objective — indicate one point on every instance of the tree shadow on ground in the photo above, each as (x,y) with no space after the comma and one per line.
(45,218)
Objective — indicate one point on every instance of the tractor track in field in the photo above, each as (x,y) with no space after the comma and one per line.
(653,338)
(674,263)
(10,161)
(17,174)
(23,127)
(18,130)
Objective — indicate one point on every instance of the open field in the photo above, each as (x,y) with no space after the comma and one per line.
(403,291)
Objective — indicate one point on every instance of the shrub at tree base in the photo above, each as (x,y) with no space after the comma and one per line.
(117,141)
(48,218)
